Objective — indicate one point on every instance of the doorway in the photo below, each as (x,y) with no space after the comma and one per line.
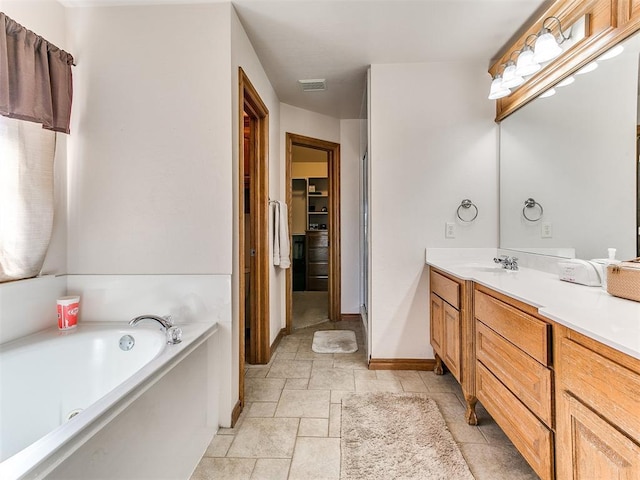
(313,194)
(253,232)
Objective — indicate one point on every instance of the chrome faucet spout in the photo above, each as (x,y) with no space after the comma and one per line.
(174,334)
(165,322)
(507,262)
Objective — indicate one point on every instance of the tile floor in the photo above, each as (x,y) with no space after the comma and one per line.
(290,427)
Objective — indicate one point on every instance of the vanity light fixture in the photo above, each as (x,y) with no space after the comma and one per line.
(497,89)
(547,46)
(589,67)
(567,81)
(526,65)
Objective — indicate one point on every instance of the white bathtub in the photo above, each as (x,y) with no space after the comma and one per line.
(50,376)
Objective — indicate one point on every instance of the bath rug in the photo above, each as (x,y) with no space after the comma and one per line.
(334,341)
(399,436)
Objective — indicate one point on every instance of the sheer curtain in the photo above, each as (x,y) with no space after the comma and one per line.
(26,197)
(35,102)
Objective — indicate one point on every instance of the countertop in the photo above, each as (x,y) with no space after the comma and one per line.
(591,311)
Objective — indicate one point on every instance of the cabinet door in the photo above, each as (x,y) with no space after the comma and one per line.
(592,448)
(437,324)
(452,340)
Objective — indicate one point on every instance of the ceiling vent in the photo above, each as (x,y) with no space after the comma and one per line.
(313,85)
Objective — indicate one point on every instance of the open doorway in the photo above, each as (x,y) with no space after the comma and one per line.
(313,282)
(253,232)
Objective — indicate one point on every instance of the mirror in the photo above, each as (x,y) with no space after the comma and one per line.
(575,155)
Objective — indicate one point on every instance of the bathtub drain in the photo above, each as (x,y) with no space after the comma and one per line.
(73,413)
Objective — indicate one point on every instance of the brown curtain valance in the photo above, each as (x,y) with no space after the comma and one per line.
(35,78)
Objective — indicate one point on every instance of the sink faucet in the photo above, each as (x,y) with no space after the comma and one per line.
(174,334)
(507,262)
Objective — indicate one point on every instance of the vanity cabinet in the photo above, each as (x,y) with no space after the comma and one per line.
(514,376)
(451,332)
(598,409)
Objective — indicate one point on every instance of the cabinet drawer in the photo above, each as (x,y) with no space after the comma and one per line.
(318,269)
(446,289)
(609,388)
(527,379)
(529,435)
(318,254)
(317,239)
(318,283)
(524,331)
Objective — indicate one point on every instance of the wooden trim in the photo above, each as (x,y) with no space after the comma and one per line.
(333,159)
(249,101)
(276,342)
(401,364)
(608,23)
(237,410)
(351,317)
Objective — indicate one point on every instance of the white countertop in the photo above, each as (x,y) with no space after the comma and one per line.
(588,310)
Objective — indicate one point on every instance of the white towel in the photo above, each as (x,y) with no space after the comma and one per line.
(281,247)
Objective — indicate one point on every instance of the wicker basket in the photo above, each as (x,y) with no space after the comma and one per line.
(623,279)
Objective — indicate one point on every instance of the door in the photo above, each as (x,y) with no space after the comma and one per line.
(333,220)
(253,232)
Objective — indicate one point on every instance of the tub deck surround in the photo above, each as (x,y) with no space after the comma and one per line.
(46,453)
(591,311)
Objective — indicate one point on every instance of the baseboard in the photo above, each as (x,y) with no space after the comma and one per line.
(401,364)
(235,414)
(276,342)
(350,317)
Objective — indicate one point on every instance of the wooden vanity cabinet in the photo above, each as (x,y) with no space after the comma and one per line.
(451,331)
(598,409)
(514,376)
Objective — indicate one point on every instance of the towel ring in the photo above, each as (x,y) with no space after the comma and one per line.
(466,204)
(531,203)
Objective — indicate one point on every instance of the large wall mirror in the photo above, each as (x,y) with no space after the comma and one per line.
(575,154)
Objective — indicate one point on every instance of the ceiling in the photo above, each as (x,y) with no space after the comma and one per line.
(338,39)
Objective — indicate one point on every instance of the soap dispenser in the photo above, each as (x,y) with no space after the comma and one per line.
(604,263)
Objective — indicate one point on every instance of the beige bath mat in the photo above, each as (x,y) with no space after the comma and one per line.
(334,341)
(397,435)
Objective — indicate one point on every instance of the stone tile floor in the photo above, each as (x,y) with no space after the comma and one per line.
(290,427)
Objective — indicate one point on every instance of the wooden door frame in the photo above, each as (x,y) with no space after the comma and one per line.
(250,102)
(333,167)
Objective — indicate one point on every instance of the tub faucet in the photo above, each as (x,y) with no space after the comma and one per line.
(174,334)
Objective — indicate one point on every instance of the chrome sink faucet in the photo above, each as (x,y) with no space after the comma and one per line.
(507,262)
(174,334)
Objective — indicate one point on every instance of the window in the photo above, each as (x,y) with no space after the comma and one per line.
(26,197)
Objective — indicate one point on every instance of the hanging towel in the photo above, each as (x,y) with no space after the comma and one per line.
(281,247)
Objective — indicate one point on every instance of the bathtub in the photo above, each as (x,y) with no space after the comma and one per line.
(58,390)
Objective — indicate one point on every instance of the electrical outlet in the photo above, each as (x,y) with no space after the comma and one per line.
(545,230)
(450,230)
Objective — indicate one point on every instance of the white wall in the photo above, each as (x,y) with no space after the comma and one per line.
(350,214)
(433,143)
(150,186)
(150,164)
(304,122)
